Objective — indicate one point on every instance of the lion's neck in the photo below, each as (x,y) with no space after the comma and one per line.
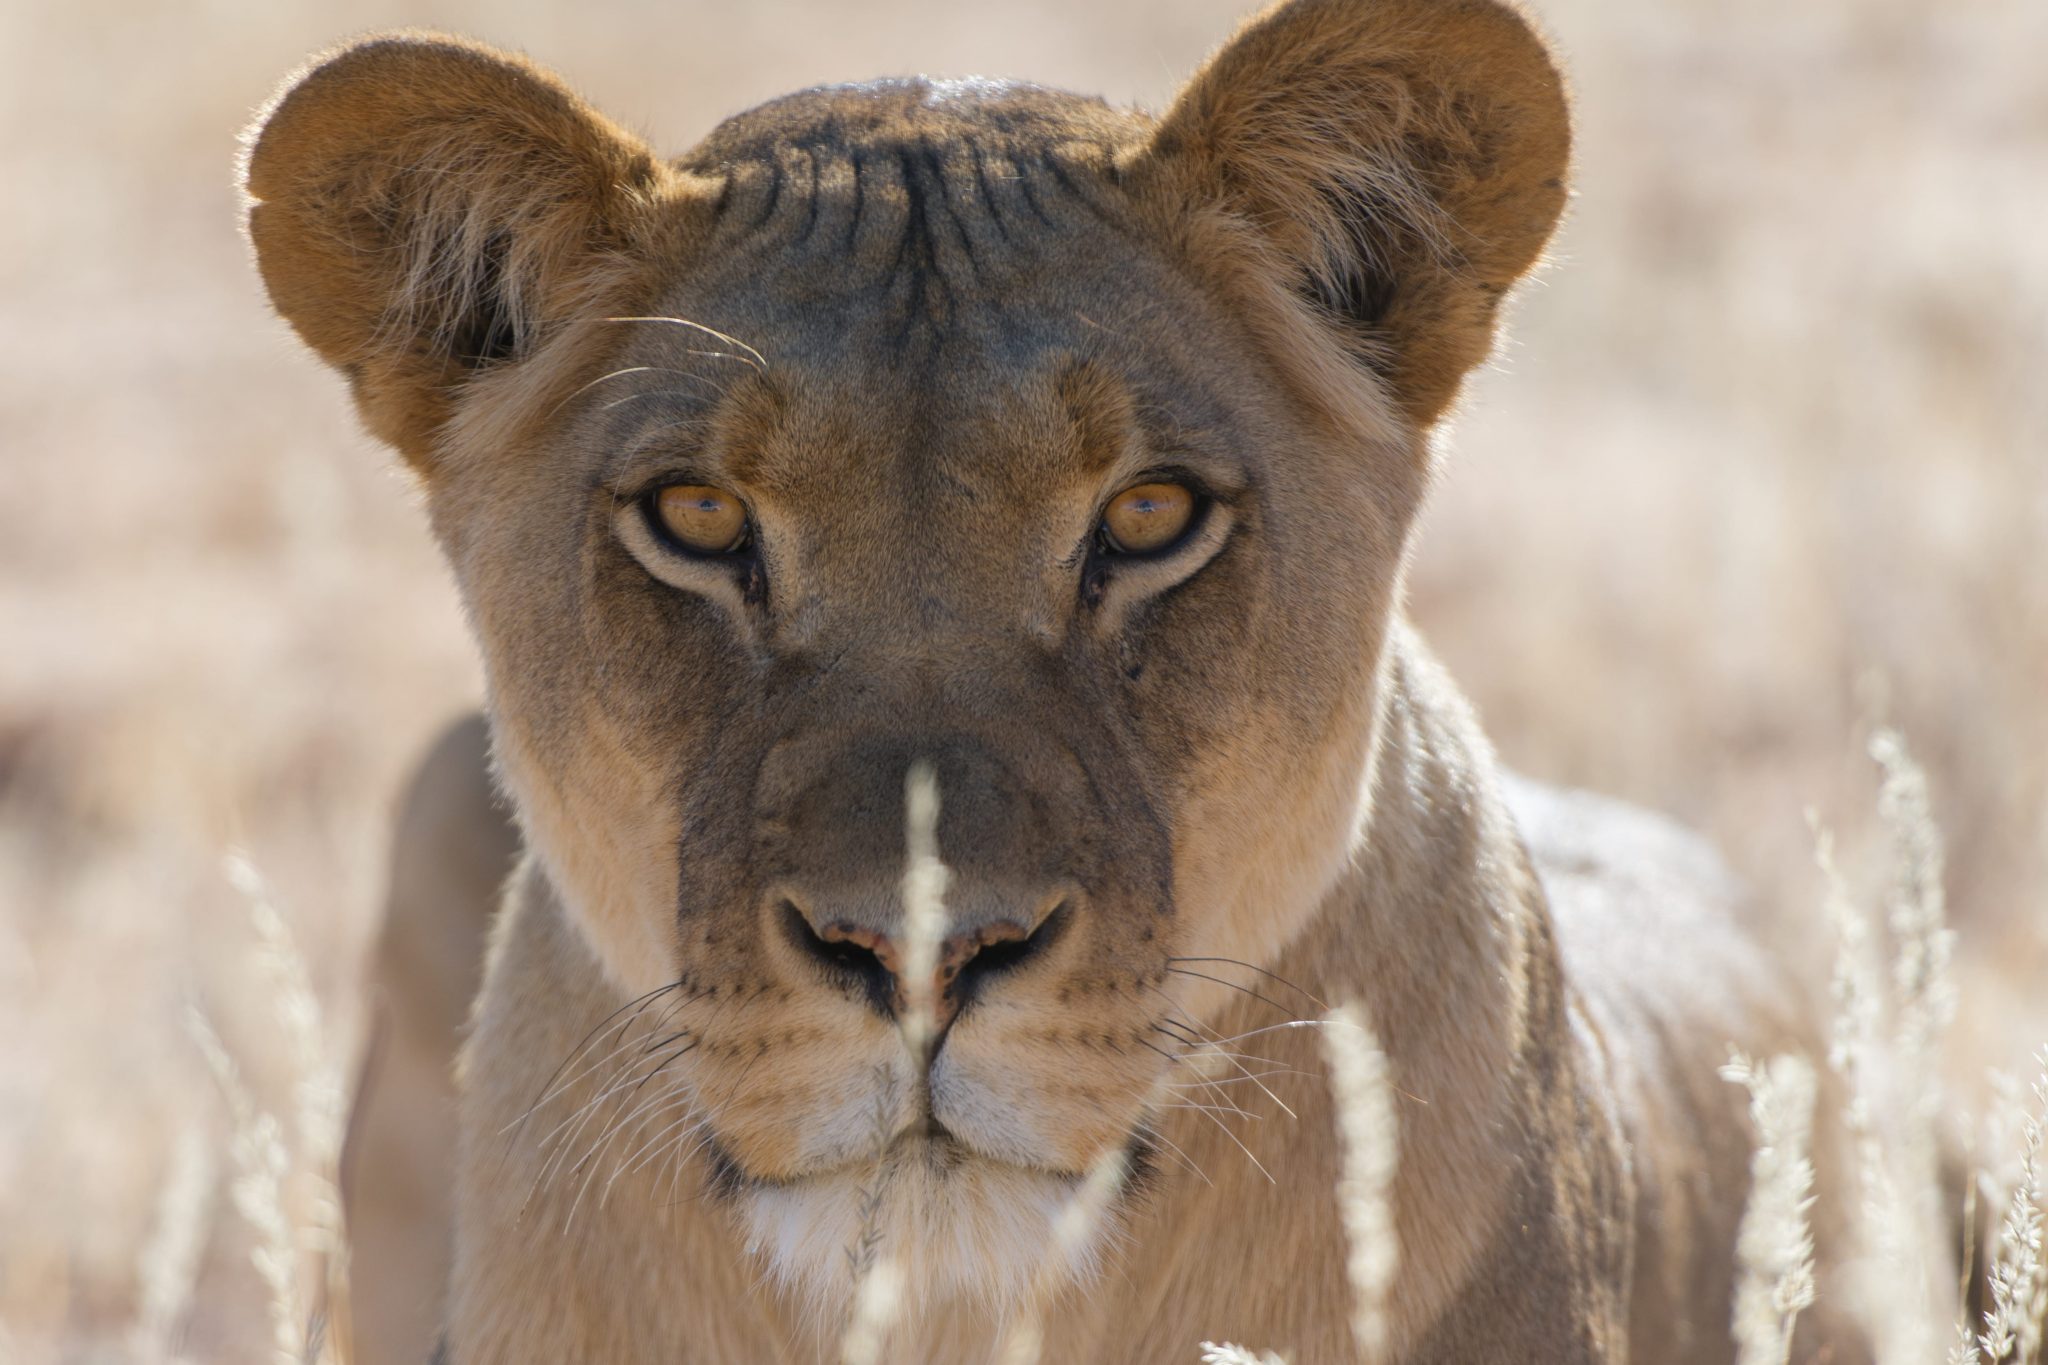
(1440,935)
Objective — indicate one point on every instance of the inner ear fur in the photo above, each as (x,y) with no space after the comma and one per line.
(1395,164)
(422,207)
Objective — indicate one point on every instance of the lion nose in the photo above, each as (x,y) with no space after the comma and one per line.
(962,962)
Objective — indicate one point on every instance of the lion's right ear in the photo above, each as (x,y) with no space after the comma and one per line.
(1396,165)
(424,206)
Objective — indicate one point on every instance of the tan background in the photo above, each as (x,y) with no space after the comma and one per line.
(1767,457)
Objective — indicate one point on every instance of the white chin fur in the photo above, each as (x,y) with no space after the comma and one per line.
(973,1232)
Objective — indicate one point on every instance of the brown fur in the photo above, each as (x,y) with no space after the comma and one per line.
(926,330)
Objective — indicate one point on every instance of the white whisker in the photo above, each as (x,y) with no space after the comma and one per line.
(752,357)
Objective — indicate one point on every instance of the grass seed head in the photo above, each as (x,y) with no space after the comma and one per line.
(1367,1128)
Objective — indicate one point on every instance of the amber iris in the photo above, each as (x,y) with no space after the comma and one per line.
(1147,517)
(708,520)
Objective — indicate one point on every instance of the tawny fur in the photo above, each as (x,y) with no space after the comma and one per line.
(927,328)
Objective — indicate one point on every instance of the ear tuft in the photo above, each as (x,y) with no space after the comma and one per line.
(1398,164)
(423,206)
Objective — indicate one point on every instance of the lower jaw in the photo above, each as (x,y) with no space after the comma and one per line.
(961,1229)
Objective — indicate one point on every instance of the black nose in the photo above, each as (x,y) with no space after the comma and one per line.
(967,958)
(846,960)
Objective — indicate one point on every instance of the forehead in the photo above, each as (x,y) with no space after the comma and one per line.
(919,253)
(911,207)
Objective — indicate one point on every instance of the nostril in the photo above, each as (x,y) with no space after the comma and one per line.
(847,952)
(1000,948)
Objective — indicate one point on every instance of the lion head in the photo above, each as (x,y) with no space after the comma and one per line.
(1065,452)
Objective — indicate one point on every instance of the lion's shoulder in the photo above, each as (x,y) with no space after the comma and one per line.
(1650,919)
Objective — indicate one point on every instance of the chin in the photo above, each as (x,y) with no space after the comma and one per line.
(966,1230)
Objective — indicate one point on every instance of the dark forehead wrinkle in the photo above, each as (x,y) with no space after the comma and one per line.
(911,211)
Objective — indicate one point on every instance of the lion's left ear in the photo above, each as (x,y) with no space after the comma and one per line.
(1398,163)
(424,207)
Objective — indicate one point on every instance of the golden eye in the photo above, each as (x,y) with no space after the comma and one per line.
(1147,517)
(705,519)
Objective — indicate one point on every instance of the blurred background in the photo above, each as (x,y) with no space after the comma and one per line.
(1763,463)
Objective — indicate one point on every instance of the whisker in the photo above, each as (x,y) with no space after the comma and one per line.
(1225,1128)
(558,1149)
(581,1118)
(1203,1050)
(632,1120)
(1231,1109)
(686,1104)
(1267,1028)
(1237,1080)
(675,1056)
(1202,1047)
(757,360)
(676,1152)
(1173,1028)
(1270,976)
(1209,1083)
(678,1157)
(582,389)
(1232,1058)
(1161,1051)
(639,1002)
(1152,1134)
(1183,971)
(620,1047)
(644,393)
(633,1160)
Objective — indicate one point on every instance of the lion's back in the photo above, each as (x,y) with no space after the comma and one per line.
(1671,957)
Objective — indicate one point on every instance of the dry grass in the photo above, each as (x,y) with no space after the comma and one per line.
(1371,1144)
(2015,1319)
(1881,1028)
(1766,457)
(1774,1247)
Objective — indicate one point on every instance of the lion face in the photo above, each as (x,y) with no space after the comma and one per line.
(924,423)
(957,425)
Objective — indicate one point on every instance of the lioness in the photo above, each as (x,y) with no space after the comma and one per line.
(1073,454)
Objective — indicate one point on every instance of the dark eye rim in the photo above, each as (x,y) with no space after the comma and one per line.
(1103,546)
(650,514)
